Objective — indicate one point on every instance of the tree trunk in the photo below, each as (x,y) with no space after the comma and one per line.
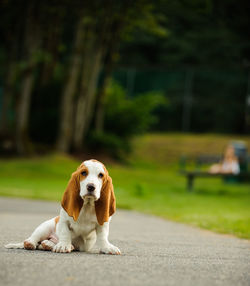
(100,35)
(22,138)
(67,105)
(112,43)
(32,41)
(102,93)
(101,96)
(5,125)
(11,42)
(86,99)
(52,39)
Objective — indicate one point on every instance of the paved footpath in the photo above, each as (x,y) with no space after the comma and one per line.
(154,252)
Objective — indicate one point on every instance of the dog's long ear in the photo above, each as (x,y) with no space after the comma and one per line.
(71,201)
(105,206)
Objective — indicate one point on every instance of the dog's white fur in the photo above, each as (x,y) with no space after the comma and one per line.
(82,234)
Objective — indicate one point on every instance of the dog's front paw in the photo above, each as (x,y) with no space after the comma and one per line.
(63,247)
(47,245)
(110,249)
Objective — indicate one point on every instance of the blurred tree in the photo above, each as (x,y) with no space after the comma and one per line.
(67,103)
(99,33)
(52,54)
(149,22)
(200,33)
(32,41)
(29,48)
(209,37)
(11,27)
(131,116)
(92,42)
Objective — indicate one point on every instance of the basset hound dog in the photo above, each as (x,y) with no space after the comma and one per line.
(87,206)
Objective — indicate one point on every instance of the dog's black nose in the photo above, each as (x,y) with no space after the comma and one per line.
(90,187)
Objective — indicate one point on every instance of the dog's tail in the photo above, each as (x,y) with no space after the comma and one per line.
(19,245)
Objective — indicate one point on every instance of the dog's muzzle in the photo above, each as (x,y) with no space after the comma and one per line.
(90,193)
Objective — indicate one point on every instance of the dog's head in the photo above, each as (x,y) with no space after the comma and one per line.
(92,177)
(90,183)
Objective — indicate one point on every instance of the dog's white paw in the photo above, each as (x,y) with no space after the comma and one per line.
(110,249)
(47,245)
(29,244)
(63,247)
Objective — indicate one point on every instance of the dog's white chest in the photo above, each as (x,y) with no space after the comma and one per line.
(85,223)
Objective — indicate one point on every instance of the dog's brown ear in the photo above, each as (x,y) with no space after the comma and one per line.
(105,206)
(71,201)
(81,166)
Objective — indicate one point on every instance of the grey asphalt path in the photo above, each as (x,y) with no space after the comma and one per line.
(155,252)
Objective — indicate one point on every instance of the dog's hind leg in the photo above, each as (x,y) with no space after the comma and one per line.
(42,232)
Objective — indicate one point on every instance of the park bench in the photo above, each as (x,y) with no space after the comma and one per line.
(198,170)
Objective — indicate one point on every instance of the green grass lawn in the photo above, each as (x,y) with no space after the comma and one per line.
(147,187)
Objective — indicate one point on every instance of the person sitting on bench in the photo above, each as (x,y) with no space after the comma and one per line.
(229,163)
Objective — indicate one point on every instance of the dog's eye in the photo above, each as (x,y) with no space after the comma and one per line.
(84,173)
(100,175)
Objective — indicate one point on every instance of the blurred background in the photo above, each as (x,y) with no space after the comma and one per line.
(139,85)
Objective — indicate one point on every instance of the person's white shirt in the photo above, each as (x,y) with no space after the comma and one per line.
(231,167)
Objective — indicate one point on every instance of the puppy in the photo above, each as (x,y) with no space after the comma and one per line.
(87,206)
